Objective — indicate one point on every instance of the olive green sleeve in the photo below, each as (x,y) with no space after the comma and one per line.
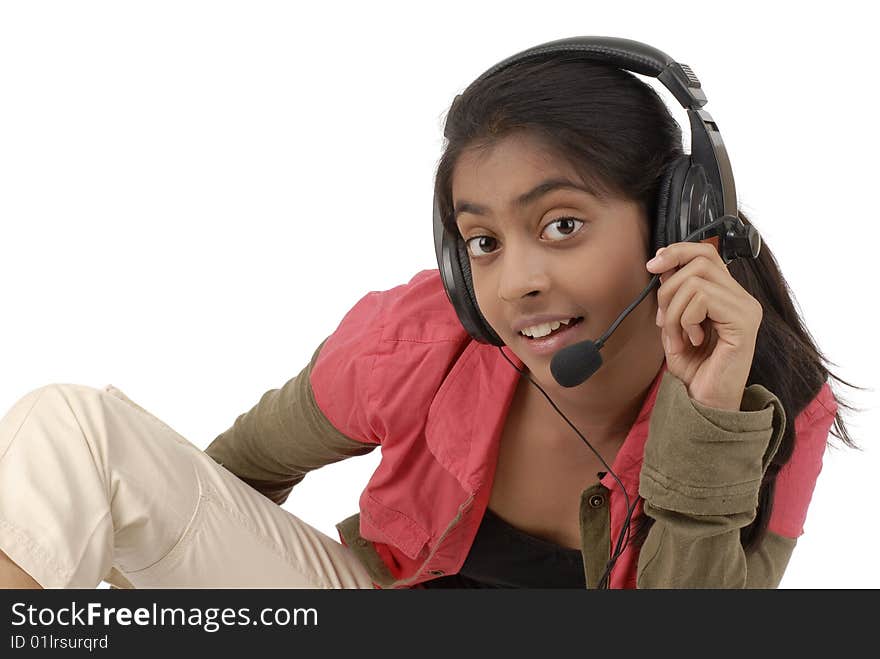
(283,437)
(700,479)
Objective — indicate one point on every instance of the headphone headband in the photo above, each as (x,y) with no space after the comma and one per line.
(634,56)
(707,147)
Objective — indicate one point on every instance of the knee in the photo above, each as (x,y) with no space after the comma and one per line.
(52,412)
(48,392)
(57,399)
(62,391)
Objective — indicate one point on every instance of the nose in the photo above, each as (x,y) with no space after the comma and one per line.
(523,272)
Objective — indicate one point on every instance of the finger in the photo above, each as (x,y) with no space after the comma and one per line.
(692,318)
(680,254)
(692,299)
(696,300)
(700,266)
(674,341)
(666,275)
(660,310)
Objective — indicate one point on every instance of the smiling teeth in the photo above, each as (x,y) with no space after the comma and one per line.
(537,331)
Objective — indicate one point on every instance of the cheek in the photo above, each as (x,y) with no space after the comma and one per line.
(614,283)
(484,292)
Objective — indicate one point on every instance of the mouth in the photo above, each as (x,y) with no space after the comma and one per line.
(558,338)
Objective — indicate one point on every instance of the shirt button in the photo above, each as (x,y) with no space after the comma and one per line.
(362,542)
(438,573)
(597,501)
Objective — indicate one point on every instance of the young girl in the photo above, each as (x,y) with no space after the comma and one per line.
(698,441)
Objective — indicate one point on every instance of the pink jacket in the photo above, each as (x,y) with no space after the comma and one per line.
(400,371)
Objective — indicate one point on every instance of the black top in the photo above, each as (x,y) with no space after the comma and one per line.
(502,556)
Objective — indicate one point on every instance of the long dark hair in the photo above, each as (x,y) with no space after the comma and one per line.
(619,135)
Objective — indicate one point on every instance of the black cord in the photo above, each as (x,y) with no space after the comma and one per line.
(603,581)
(625,529)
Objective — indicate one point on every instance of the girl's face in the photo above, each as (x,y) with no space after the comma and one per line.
(558,250)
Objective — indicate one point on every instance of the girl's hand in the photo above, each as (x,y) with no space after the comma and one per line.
(709,323)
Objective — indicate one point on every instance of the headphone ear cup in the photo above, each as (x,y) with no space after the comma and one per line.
(667,223)
(482,331)
(455,274)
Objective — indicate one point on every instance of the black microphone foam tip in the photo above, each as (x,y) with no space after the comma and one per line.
(575,363)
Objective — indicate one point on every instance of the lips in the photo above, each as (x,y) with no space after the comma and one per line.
(539,319)
(563,323)
(559,338)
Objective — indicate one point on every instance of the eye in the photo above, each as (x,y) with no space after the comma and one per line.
(567,228)
(478,240)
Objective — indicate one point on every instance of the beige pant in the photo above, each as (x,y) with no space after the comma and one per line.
(95,488)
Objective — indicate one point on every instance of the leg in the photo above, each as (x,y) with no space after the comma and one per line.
(93,487)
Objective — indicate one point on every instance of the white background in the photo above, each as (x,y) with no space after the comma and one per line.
(192,194)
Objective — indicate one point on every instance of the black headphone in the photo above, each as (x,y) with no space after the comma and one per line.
(697,201)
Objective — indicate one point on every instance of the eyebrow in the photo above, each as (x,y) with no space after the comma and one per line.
(523,200)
